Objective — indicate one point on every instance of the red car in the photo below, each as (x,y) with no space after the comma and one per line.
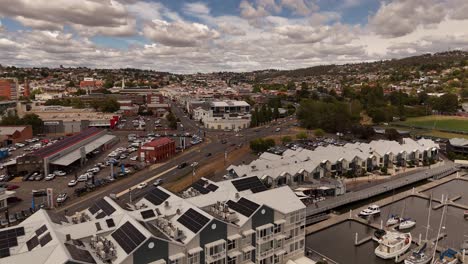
(12,187)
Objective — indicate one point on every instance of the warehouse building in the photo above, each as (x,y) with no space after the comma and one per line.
(13,134)
(458,146)
(66,154)
(234,222)
(157,150)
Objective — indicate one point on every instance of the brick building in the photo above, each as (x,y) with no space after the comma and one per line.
(8,89)
(157,150)
(14,134)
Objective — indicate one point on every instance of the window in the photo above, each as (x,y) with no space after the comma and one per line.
(175,261)
(276,259)
(231,244)
(232,260)
(277,228)
(248,256)
(194,259)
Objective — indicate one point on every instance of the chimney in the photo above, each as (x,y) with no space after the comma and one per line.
(67,237)
(166,203)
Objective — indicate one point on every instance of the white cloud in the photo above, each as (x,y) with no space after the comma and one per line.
(196,9)
(179,33)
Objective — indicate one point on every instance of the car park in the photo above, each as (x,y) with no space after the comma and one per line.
(61,198)
(142,185)
(72,183)
(50,177)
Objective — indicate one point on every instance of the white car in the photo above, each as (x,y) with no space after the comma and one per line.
(59,173)
(2,177)
(94,170)
(158,182)
(62,197)
(142,185)
(134,158)
(72,183)
(83,178)
(50,177)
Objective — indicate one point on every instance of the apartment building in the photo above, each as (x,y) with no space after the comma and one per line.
(230,222)
(8,89)
(230,115)
(294,167)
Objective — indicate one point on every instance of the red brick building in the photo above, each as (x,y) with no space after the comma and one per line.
(14,134)
(157,150)
(8,89)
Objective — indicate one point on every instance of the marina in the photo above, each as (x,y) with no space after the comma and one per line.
(355,233)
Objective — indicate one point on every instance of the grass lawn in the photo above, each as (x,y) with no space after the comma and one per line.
(453,123)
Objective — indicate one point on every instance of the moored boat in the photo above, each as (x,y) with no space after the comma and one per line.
(393,220)
(371,210)
(406,223)
(393,244)
(449,256)
(421,254)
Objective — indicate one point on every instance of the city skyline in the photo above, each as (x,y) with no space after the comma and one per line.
(240,35)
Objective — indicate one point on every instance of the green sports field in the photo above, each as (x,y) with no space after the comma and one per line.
(446,123)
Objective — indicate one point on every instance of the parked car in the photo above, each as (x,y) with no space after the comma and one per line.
(94,170)
(134,158)
(39,177)
(12,219)
(208,154)
(3,177)
(142,185)
(158,182)
(3,222)
(62,197)
(12,187)
(82,178)
(19,216)
(72,183)
(59,173)
(50,177)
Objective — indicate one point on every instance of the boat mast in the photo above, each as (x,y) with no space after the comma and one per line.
(438,232)
(429,217)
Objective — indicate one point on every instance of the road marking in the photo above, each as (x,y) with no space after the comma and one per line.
(146,181)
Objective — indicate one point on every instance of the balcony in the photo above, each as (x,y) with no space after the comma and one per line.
(215,257)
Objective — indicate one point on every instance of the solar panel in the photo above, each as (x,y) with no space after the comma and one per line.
(9,238)
(212,187)
(79,254)
(41,230)
(57,218)
(32,243)
(251,183)
(45,239)
(147,214)
(4,253)
(128,237)
(156,196)
(193,220)
(200,188)
(93,209)
(100,215)
(105,206)
(77,242)
(110,223)
(243,206)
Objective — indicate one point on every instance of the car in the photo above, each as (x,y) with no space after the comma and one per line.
(12,187)
(123,156)
(13,199)
(19,145)
(127,171)
(94,170)
(62,197)
(59,173)
(72,183)
(39,177)
(134,158)
(3,177)
(50,177)
(19,216)
(182,165)
(12,218)
(208,154)
(223,141)
(3,222)
(158,182)
(142,185)
(278,129)
(82,178)
(26,213)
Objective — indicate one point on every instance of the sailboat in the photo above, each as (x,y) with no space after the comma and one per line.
(423,253)
(406,223)
(449,256)
(393,219)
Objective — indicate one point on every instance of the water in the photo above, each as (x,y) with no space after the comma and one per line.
(337,242)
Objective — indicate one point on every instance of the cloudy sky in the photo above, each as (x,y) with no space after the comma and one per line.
(225,35)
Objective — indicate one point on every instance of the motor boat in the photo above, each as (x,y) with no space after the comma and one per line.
(378,234)
(421,255)
(449,256)
(406,223)
(393,244)
(371,210)
(393,220)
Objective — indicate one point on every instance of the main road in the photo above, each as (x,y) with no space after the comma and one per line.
(168,171)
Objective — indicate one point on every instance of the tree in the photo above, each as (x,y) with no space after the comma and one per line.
(286,139)
(110,105)
(301,135)
(319,132)
(172,120)
(80,91)
(446,103)
(392,134)
(276,113)
(77,103)
(261,145)
(33,120)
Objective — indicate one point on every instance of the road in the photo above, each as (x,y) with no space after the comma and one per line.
(168,171)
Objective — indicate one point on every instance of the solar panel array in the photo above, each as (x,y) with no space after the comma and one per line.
(128,237)
(110,223)
(8,239)
(79,254)
(193,220)
(103,205)
(243,206)
(32,243)
(41,230)
(212,187)
(57,218)
(204,187)
(45,239)
(148,214)
(68,141)
(156,196)
(251,183)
